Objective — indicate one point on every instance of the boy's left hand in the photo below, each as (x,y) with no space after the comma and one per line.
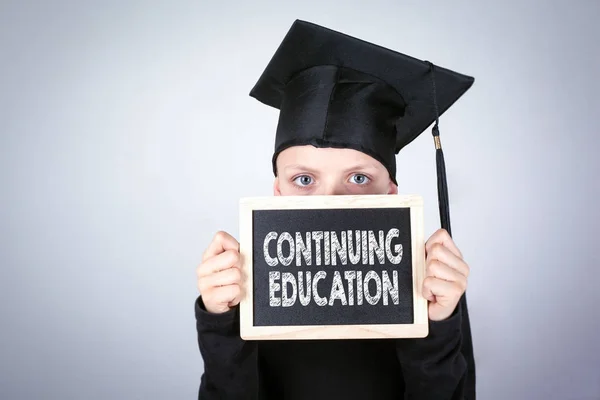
(446,277)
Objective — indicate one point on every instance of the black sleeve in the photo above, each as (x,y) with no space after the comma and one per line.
(230,363)
(434,367)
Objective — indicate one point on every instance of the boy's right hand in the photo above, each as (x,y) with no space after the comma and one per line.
(219,274)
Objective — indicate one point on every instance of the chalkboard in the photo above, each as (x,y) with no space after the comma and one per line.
(332,267)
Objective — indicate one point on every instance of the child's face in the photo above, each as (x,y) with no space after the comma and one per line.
(307,170)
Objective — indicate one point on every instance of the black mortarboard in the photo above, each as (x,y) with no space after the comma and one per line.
(334,90)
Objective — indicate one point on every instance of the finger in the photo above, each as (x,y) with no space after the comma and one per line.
(427,293)
(220,262)
(443,254)
(222,241)
(437,269)
(230,276)
(441,236)
(236,300)
(226,295)
(440,290)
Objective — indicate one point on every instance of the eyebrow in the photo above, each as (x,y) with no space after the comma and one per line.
(358,167)
(354,167)
(299,167)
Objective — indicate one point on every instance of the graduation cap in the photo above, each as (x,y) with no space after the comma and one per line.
(334,90)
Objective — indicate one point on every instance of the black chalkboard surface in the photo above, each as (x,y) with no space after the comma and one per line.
(332,267)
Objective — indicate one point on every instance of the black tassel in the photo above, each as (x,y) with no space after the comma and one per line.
(442,184)
(444,205)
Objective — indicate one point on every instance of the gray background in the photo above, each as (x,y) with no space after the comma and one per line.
(110,189)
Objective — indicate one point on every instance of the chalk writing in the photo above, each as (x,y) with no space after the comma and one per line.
(286,288)
(331,287)
(331,246)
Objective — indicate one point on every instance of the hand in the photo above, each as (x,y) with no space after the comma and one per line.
(446,277)
(219,274)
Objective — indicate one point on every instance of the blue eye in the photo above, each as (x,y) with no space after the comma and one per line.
(359,179)
(303,180)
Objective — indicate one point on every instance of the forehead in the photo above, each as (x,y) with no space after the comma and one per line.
(326,158)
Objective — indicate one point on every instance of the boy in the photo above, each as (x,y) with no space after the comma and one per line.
(346,108)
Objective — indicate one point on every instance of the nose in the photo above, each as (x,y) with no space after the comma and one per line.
(332,189)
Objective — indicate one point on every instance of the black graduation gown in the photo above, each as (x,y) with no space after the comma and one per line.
(423,369)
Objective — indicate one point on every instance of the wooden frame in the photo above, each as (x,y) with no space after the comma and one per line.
(420,326)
